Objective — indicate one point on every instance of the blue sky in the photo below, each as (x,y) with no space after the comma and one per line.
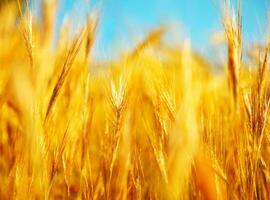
(124,20)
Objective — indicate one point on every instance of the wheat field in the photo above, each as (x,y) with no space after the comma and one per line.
(158,122)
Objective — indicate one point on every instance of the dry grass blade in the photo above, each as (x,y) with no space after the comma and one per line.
(159,158)
(57,155)
(84,119)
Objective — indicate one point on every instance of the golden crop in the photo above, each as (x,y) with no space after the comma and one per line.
(156,123)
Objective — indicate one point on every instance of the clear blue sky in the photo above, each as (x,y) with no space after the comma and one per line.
(198,19)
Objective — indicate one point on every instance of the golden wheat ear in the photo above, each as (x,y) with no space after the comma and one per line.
(152,38)
(234,46)
(92,26)
(26,30)
(68,62)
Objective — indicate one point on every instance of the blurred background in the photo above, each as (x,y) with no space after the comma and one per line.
(128,20)
(124,22)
